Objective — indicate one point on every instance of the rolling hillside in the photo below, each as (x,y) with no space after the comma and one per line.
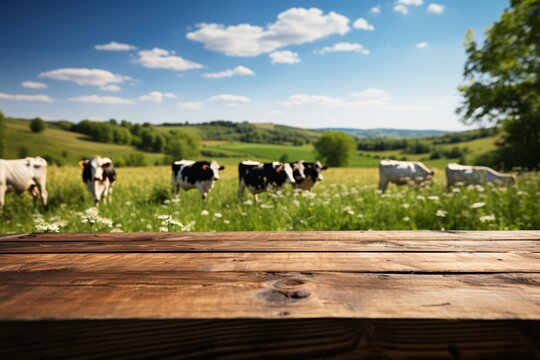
(67,147)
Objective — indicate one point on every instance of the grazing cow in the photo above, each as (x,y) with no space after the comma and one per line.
(18,176)
(259,177)
(306,174)
(475,175)
(99,175)
(188,174)
(402,172)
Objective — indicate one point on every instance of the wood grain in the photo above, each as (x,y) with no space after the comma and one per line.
(331,246)
(216,262)
(264,339)
(205,295)
(297,236)
(357,295)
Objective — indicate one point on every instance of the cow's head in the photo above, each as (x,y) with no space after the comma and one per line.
(94,167)
(315,170)
(212,169)
(284,173)
(298,171)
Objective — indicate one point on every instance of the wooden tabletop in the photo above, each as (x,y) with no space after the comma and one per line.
(266,275)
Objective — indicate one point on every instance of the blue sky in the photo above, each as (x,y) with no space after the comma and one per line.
(340,63)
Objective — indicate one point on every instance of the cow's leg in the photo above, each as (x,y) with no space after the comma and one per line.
(110,193)
(3,189)
(241,187)
(34,192)
(42,192)
(383,185)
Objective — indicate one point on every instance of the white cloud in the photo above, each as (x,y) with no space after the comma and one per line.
(104,100)
(34,85)
(157,96)
(363,24)
(340,103)
(164,59)
(230,98)
(372,93)
(344,47)
(402,6)
(376,10)
(81,76)
(111,87)
(292,27)
(239,70)
(115,46)
(422,45)
(24,97)
(435,8)
(191,105)
(284,57)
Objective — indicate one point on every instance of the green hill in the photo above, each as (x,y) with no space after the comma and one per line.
(60,146)
(65,147)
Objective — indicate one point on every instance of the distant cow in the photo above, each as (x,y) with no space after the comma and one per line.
(189,174)
(306,174)
(18,176)
(402,172)
(475,175)
(259,177)
(99,176)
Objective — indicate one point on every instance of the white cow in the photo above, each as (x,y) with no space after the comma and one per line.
(402,172)
(99,176)
(475,175)
(21,175)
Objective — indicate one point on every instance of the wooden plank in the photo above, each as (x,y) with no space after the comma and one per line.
(288,236)
(331,246)
(66,295)
(302,262)
(249,339)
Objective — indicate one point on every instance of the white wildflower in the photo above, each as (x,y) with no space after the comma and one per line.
(45,227)
(479,188)
(248,202)
(406,219)
(433,198)
(226,222)
(478,205)
(163,229)
(218,215)
(487,218)
(405,206)
(456,190)
(441,213)
(205,213)
(420,197)
(116,230)
(267,206)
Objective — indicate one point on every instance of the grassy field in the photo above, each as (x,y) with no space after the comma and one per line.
(346,200)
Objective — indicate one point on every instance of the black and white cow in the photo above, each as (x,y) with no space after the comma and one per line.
(306,174)
(99,176)
(189,174)
(18,176)
(259,177)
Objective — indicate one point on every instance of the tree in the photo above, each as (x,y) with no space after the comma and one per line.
(335,148)
(37,125)
(2,134)
(181,145)
(502,83)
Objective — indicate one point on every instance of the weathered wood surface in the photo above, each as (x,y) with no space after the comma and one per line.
(307,294)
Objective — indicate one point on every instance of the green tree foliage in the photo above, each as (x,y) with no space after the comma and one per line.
(182,145)
(335,148)
(37,125)
(502,83)
(2,133)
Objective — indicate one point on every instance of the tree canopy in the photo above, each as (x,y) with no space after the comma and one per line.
(335,148)
(37,125)
(502,84)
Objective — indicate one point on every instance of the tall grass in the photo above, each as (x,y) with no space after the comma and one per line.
(346,200)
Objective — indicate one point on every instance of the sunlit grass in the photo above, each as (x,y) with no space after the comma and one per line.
(346,200)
